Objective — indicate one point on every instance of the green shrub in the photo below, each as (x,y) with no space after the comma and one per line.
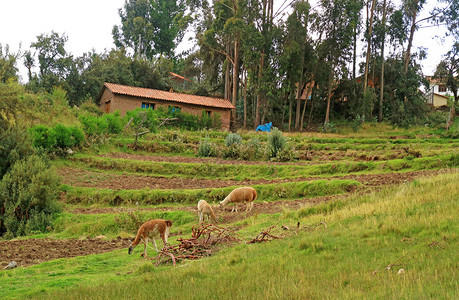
(276,142)
(59,136)
(206,121)
(207,149)
(28,197)
(93,126)
(15,144)
(232,138)
(77,135)
(114,122)
(43,137)
(62,135)
(217,120)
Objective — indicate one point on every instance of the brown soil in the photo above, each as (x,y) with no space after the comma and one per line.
(34,251)
(101,180)
(201,160)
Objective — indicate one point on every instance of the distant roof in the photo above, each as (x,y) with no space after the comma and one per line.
(179,77)
(167,96)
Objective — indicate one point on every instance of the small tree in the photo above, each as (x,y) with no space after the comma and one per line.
(276,142)
(28,197)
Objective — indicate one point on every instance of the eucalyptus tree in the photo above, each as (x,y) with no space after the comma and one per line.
(369,36)
(54,62)
(8,68)
(149,28)
(335,23)
(297,58)
(411,10)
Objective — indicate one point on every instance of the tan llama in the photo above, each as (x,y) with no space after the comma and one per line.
(150,230)
(242,194)
(204,209)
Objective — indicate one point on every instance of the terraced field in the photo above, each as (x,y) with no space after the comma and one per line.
(107,192)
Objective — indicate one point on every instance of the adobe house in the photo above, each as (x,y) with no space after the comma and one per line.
(123,98)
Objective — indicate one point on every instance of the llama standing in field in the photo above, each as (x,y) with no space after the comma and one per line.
(204,209)
(242,194)
(150,230)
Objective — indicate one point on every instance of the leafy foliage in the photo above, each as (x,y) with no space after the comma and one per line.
(276,142)
(28,197)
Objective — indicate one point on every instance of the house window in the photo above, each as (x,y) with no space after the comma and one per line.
(174,109)
(148,105)
(442,88)
(208,112)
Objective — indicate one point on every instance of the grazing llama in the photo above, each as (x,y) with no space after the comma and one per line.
(242,194)
(204,209)
(150,230)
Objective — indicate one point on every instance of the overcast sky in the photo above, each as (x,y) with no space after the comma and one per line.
(88,25)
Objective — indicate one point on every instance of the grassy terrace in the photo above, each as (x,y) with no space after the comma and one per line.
(412,227)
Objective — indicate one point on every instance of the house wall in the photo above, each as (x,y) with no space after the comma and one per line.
(124,103)
(439,101)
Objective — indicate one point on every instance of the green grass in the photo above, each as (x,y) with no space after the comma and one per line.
(266,192)
(413,226)
(259,171)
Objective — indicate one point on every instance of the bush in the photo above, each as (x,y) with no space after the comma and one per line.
(15,144)
(114,122)
(93,126)
(232,138)
(206,121)
(207,149)
(276,142)
(62,136)
(59,136)
(43,137)
(28,197)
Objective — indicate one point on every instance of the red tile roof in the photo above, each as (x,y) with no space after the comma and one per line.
(168,96)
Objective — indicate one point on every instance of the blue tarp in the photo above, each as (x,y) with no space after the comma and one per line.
(266,127)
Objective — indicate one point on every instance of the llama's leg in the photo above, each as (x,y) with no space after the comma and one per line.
(145,242)
(154,243)
(200,216)
(232,210)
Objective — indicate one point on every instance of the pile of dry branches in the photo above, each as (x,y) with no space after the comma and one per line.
(266,235)
(203,240)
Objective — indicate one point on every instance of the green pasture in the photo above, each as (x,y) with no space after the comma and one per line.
(266,192)
(412,227)
(260,171)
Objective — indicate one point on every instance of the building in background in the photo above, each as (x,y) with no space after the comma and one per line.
(116,97)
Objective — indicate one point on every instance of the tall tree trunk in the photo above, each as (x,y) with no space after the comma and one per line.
(235,81)
(312,108)
(354,55)
(308,91)
(298,104)
(381,92)
(245,98)
(410,40)
(290,108)
(228,76)
(370,31)
(330,80)
(259,93)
